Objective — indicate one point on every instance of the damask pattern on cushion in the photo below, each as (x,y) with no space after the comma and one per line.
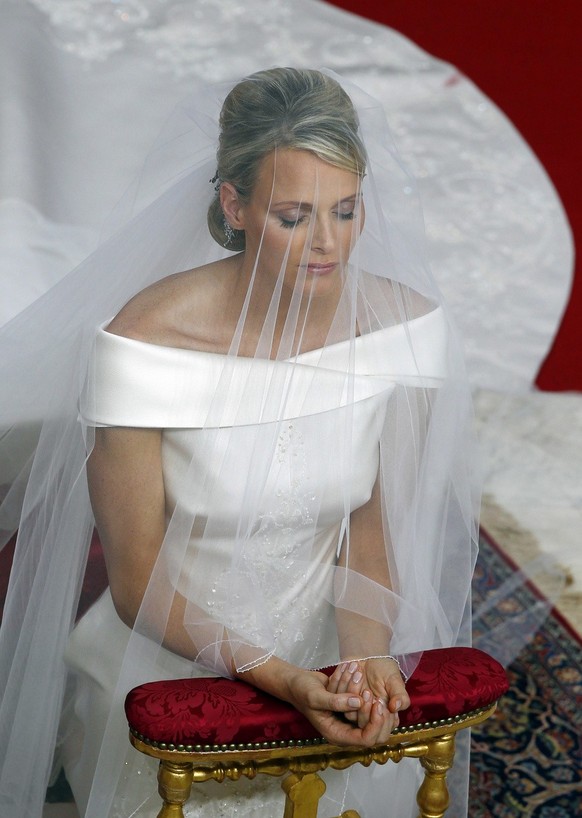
(217,711)
(451,681)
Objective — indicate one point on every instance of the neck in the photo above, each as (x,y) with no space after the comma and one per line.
(264,303)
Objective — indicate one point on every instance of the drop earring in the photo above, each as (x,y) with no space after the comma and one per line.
(228,232)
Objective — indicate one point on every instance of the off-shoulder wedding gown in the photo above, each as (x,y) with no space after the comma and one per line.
(137,384)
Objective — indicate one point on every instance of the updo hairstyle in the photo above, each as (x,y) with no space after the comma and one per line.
(281,108)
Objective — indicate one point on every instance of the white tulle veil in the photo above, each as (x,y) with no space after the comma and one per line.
(383,397)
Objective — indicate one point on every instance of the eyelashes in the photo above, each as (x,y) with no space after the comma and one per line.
(289,224)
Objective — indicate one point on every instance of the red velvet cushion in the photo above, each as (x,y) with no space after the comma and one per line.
(207,712)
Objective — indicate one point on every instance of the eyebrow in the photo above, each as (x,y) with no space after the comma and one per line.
(309,206)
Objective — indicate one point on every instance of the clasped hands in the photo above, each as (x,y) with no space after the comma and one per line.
(357,705)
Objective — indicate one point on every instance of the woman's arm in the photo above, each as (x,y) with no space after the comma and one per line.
(376,679)
(361,636)
(126,488)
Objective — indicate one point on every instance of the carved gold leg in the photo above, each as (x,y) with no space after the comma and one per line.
(174,785)
(302,795)
(433,795)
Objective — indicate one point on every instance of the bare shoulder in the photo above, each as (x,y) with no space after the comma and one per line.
(401,299)
(184,310)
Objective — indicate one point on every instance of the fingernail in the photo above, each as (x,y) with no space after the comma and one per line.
(380,707)
(398,704)
(366,695)
(342,667)
(357,677)
(353,702)
(353,666)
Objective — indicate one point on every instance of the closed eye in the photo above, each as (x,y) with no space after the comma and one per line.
(290,223)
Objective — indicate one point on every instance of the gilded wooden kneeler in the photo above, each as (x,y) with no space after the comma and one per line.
(213,728)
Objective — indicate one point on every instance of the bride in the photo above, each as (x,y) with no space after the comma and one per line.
(275,433)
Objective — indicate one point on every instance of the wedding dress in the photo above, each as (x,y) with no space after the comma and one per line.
(144,385)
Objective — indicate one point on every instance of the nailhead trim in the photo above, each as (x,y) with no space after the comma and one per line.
(275,745)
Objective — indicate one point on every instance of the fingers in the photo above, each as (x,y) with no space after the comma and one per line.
(364,713)
(342,717)
(377,722)
(398,697)
(337,731)
(310,693)
(334,702)
(347,677)
(382,694)
(399,702)
(387,684)
(344,704)
(380,725)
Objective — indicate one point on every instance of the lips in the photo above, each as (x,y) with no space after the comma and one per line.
(321,269)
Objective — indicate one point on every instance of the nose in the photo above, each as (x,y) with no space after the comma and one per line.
(323,236)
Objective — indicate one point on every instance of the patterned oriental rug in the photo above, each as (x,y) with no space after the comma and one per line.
(527,759)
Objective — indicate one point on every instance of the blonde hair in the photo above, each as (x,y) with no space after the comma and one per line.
(281,108)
